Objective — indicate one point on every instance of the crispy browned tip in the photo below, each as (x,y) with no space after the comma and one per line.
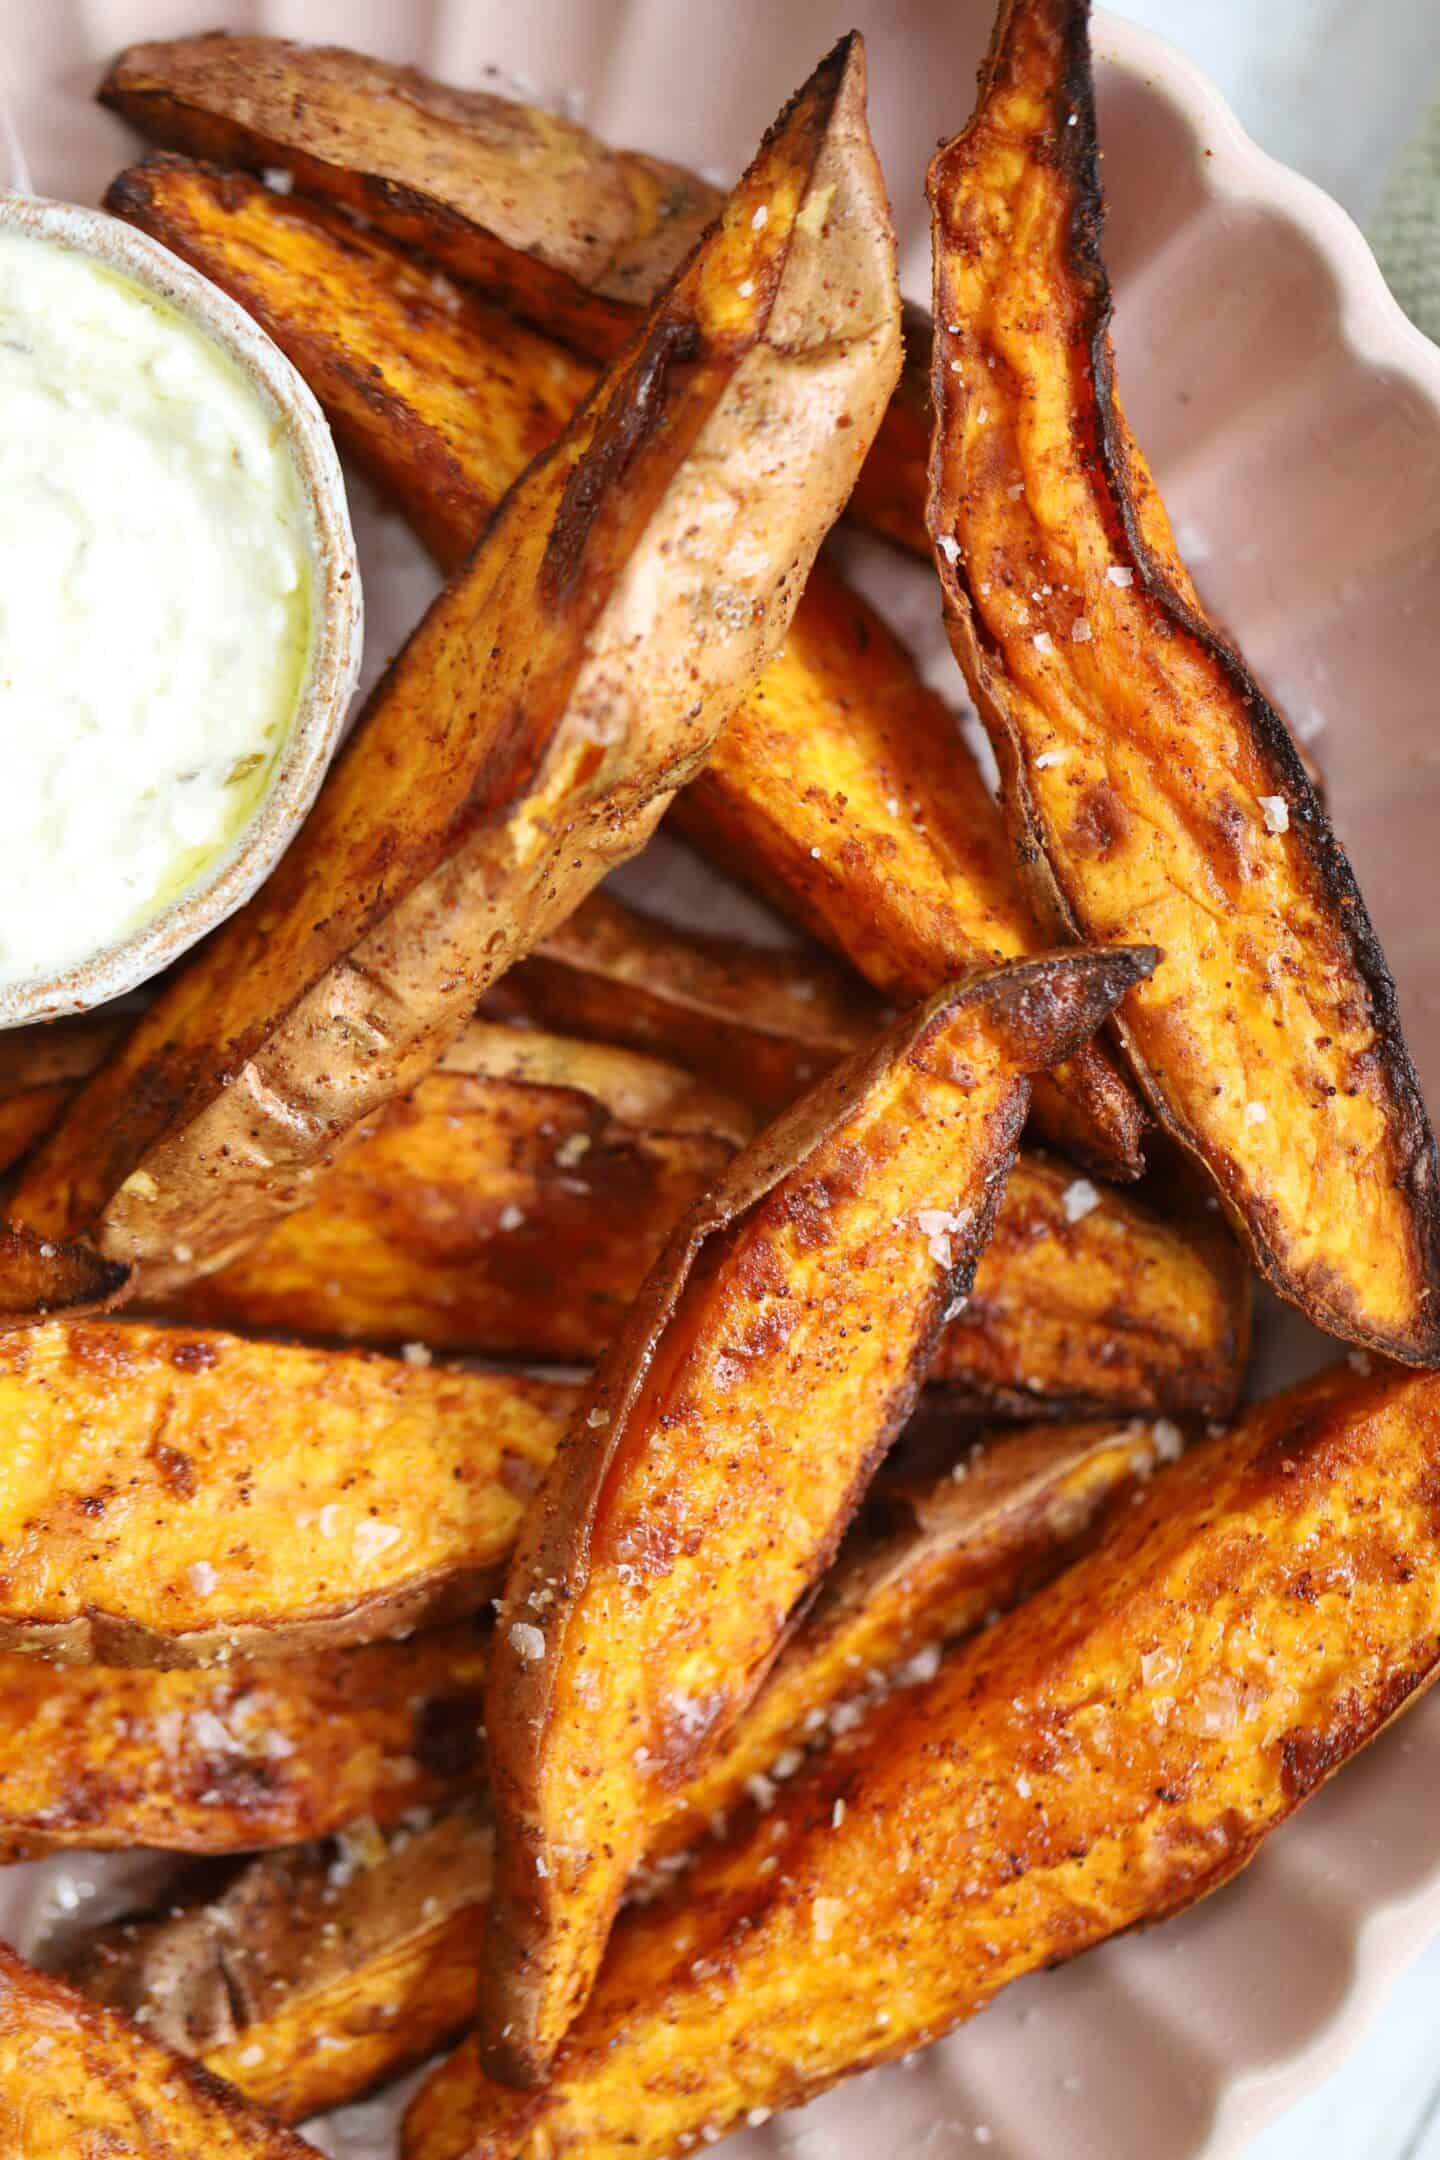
(43,1277)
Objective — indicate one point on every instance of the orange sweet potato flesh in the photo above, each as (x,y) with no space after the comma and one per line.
(304,1982)
(239,1757)
(1155,790)
(79,2082)
(531,732)
(239,1974)
(927,1561)
(511,1205)
(887,843)
(839,728)
(40,1069)
(722,1445)
(1111,1751)
(533,210)
(175,1496)
(1086,1302)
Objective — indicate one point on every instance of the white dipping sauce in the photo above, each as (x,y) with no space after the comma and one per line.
(156,594)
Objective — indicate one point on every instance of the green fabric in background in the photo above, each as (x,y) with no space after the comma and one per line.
(1406,230)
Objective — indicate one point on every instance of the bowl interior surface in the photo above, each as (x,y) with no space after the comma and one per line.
(1293,420)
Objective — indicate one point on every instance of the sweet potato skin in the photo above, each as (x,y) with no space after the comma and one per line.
(529,735)
(722,1446)
(840,748)
(530,209)
(512,1211)
(1155,791)
(519,1216)
(239,1975)
(303,1981)
(178,1496)
(77,2082)
(1111,1751)
(237,1758)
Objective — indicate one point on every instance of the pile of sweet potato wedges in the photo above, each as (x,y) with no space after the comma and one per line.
(885,1588)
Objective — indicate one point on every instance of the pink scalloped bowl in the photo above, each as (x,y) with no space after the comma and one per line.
(1293,417)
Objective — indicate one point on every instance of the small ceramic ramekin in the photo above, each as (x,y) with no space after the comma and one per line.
(242,866)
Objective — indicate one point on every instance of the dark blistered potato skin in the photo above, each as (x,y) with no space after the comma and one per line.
(1114,1749)
(78,2082)
(237,1757)
(840,747)
(1152,788)
(536,213)
(724,1442)
(530,733)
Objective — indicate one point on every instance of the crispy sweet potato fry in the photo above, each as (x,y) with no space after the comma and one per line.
(927,1561)
(239,1757)
(176,1496)
(1086,1302)
(77,2081)
(40,1275)
(1111,1751)
(722,1445)
(306,1977)
(839,728)
(40,1069)
(886,843)
(760,1024)
(1156,792)
(531,732)
(512,1204)
(377,336)
(235,1972)
(531,209)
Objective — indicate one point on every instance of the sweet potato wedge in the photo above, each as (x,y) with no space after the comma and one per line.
(528,208)
(1108,1753)
(928,1560)
(1087,1302)
(762,1025)
(40,1069)
(376,335)
(531,732)
(306,1977)
(887,844)
(1152,787)
(512,1204)
(237,1972)
(839,730)
(78,2082)
(176,1496)
(237,1758)
(722,1445)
